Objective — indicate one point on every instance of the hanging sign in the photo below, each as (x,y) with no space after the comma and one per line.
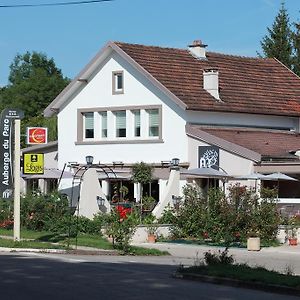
(208,156)
(37,135)
(7,118)
(33,163)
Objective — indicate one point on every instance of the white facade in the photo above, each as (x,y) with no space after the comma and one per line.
(96,92)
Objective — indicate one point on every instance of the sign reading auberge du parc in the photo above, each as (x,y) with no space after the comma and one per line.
(33,163)
(7,118)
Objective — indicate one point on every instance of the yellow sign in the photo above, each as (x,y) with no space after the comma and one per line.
(33,163)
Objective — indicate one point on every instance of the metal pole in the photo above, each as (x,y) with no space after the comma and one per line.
(17,181)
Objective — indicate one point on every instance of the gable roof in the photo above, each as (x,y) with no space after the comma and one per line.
(247,85)
(268,143)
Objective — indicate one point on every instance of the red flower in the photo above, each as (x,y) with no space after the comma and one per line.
(123,212)
(205,235)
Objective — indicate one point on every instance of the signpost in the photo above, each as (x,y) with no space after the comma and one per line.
(9,153)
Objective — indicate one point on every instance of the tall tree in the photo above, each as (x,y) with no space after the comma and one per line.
(278,42)
(296,43)
(34,81)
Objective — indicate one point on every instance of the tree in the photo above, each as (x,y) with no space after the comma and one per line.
(278,42)
(34,81)
(296,44)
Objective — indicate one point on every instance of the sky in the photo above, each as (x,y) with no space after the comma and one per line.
(73,34)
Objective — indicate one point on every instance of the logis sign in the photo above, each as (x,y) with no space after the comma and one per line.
(7,118)
(208,156)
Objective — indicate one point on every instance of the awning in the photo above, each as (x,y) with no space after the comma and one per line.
(49,174)
(205,173)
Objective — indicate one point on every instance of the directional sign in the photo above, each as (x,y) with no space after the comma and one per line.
(36,135)
(33,163)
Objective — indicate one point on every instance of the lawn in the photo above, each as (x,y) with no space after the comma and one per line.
(244,273)
(44,239)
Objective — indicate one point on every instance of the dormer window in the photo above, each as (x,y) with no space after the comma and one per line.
(118,82)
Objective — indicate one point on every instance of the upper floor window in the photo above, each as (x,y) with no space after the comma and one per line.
(103,124)
(137,122)
(153,122)
(120,123)
(88,125)
(118,82)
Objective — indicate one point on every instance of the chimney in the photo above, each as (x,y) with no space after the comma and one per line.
(197,49)
(211,82)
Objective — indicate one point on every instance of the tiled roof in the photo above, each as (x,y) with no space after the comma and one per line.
(247,85)
(268,143)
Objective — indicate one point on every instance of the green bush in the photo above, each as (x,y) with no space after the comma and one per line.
(226,218)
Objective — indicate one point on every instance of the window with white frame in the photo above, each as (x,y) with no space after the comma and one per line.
(137,122)
(120,123)
(153,122)
(103,116)
(118,82)
(88,125)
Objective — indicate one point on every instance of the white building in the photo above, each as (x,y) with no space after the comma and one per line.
(135,103)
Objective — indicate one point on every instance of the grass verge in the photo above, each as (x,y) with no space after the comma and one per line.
(44,240)
(245,273)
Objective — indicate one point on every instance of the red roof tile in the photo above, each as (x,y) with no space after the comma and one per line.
(247,85)
(266,142)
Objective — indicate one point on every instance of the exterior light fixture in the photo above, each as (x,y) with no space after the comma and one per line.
(89,160)
(100,201)
(175,162)
(176,201)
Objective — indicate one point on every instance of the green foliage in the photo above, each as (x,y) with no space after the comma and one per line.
(150,222)
(142,173)
(148,203)
(121,229)
(168,216)
(220,257)
(228,219)
(34,81)
(278,42)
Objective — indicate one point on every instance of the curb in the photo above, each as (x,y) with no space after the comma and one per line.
(60,251)
(238,283)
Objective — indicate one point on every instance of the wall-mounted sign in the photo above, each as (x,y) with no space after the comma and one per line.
(37,135)
(33,163)
(208,156)
(7,118)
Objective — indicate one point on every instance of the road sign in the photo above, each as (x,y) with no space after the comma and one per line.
(37,135)
(33,163)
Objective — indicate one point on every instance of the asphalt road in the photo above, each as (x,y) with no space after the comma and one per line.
(49,276)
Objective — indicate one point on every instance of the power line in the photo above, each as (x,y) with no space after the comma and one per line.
(55,4)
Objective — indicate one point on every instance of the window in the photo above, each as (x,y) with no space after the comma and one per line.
(88,125)
(137,122)
(103,124)
(121,123)
(153,122)
(118,82)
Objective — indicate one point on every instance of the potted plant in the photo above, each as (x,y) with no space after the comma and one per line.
(151,228)
(148,203)
(292,238)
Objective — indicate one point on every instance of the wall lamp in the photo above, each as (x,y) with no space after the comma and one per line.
(100,201)
(89,160)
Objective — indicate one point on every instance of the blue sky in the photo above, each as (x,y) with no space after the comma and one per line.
(72,35)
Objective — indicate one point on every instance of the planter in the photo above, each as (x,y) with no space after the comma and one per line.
(253,244)
(151,238)
(293,241)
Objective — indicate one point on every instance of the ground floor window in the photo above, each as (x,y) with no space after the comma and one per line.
(32,185)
